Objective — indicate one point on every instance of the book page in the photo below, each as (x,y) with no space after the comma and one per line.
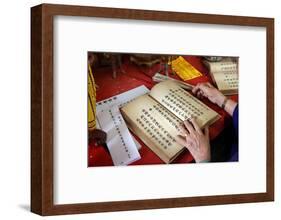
(182,103)
(154,125)
(227,80)
(225,75)
(222,66)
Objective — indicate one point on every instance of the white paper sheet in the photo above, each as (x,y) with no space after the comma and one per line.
(120,143)
(122,98)
(135,140)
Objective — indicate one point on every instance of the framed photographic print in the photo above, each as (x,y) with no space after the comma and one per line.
(138,109)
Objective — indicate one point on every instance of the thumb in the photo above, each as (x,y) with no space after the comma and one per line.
(206,132)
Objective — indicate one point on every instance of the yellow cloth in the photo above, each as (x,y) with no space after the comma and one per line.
(91,100)
(184,69)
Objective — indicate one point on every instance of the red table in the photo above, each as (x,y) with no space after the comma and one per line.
(135,76)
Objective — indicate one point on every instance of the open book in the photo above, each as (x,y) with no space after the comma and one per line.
(156,117)
(225,75)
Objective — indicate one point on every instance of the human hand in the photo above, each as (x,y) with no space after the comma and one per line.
(210,92)
(195,141)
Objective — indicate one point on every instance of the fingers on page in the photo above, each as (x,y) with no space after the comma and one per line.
(183,141)
(196,126)
(180,140)
(195,89)
(188,126)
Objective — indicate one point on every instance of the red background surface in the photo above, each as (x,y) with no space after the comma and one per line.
(135,76)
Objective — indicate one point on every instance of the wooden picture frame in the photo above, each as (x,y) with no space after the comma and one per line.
(42,81)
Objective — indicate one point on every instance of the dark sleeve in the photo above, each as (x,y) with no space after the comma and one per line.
(235,119)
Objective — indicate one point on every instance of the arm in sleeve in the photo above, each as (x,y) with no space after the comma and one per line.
(235,120)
